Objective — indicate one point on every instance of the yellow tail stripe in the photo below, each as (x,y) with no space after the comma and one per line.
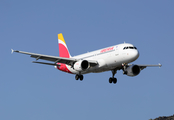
(60,37)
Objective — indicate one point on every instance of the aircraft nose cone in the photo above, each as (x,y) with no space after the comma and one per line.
(135,54)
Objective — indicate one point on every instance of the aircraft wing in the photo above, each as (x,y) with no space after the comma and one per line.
(55,59)
(144,66)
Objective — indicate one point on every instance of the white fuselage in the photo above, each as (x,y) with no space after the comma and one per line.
(108,58)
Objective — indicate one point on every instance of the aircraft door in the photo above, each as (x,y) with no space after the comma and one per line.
(116,51)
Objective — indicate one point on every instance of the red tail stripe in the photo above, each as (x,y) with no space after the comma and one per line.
(63,51)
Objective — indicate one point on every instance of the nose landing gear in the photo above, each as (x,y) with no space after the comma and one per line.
(114,80)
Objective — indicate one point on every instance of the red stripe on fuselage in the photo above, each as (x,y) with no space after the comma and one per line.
(63,68)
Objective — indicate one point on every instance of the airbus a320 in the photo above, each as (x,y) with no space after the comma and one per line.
(113,58)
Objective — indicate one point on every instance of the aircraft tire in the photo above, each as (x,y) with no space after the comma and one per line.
(110,80)
(81,77)
(114,80)
(77,77)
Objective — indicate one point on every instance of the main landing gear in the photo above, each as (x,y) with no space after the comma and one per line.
(79,77)
(112,79)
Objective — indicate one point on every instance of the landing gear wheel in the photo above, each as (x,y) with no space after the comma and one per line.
(81,77)
(77,77)
(114,80)
(110,80)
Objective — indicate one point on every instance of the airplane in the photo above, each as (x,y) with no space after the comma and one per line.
(113,58)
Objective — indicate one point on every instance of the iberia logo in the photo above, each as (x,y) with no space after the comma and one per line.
(107,49)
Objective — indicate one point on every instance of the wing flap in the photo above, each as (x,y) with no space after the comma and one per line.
(53,64)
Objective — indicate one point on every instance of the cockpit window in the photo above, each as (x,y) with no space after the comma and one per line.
(129,47)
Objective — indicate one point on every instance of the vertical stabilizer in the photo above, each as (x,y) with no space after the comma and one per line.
(63,49)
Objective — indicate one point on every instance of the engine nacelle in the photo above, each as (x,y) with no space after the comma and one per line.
(132,70)
(81,65)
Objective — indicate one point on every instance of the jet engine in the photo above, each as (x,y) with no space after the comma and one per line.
(81,65)
(132,70)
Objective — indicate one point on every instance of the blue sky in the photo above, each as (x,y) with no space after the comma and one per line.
(30,91)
